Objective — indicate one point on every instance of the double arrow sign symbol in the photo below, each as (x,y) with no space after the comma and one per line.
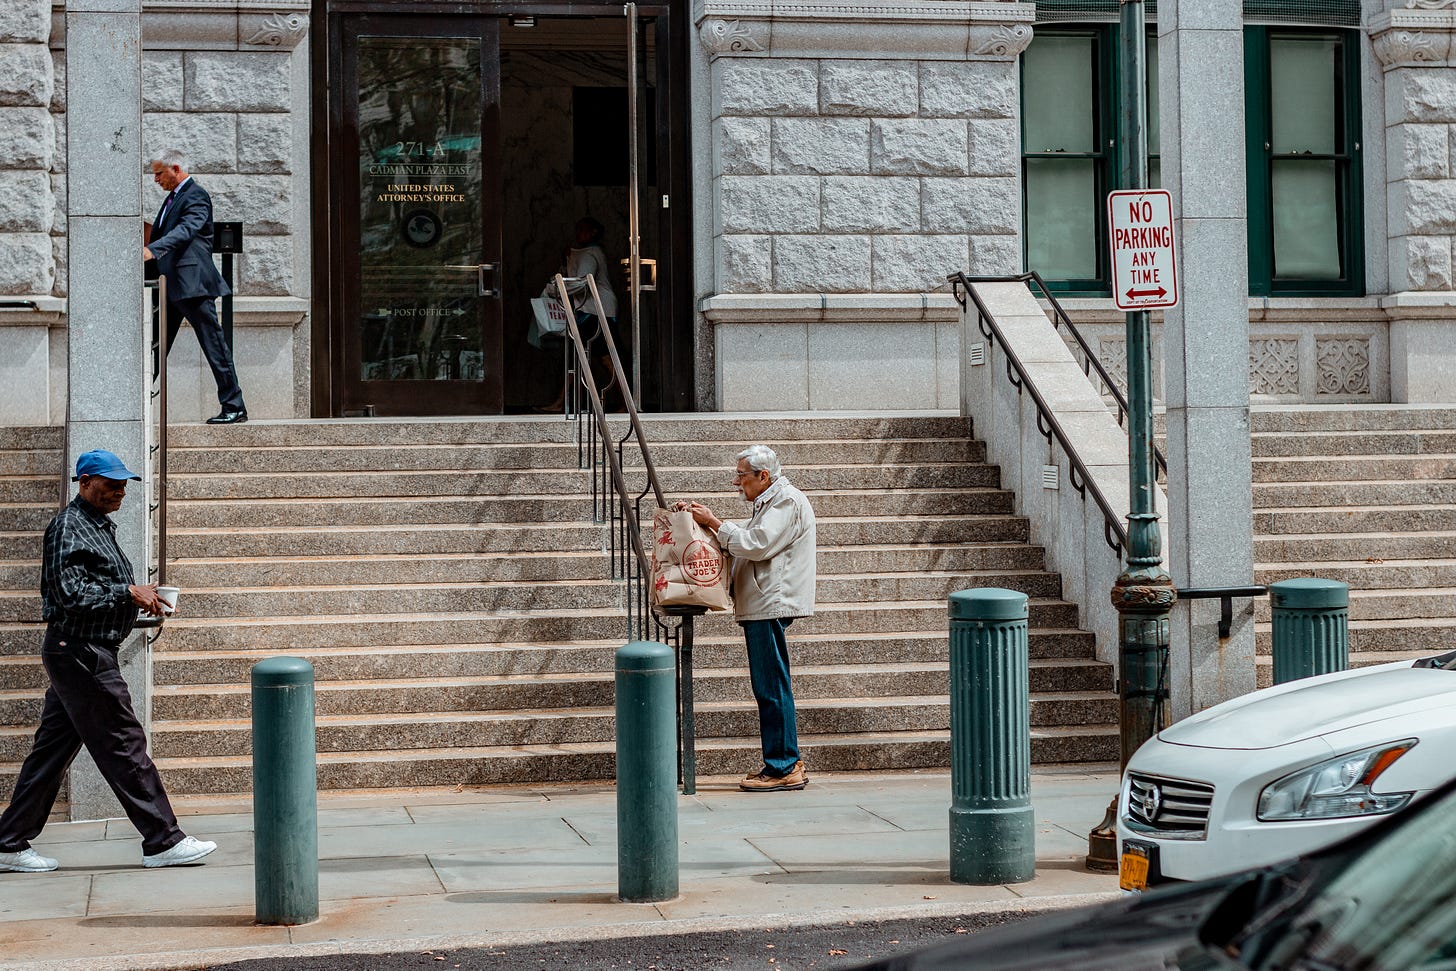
(1159,293)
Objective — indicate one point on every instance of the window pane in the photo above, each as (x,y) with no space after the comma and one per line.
(1302,83)
(1306,220)
(1155,173)
(1153,112)
(1061,218)
(1057,95)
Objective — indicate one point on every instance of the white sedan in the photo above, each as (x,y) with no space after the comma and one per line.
(1285,770)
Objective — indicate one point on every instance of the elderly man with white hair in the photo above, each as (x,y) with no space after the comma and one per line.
(773,584)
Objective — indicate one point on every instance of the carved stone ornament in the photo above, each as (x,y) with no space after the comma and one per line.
(730,37)
(1000,42)
(1429,4)
(1344,366)
(1407,48)
(279,30)
(1274,365)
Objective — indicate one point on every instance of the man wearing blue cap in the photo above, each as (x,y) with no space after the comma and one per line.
(89,602)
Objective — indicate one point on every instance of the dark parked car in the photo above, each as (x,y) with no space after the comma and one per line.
(1383,900)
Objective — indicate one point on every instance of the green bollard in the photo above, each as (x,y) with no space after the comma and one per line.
(992,836)
(646,773)
(285,793)
(1311,620)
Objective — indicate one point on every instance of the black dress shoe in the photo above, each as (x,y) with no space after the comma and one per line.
(228,418)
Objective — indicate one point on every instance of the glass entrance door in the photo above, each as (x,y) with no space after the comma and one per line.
(419,211)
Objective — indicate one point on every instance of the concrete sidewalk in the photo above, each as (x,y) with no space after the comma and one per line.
(507,865)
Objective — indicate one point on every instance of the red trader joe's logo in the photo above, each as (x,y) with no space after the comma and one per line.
(701,565)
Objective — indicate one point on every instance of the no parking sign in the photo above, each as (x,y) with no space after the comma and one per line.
(1144,264)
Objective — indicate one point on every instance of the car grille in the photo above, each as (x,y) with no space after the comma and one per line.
(1170,808)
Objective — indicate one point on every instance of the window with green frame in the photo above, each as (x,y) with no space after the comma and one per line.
(1302,135)
(1302,96)
(1070,157)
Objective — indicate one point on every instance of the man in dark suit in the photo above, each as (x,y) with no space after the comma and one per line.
(181,243)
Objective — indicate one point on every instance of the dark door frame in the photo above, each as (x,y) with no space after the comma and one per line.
(674,366)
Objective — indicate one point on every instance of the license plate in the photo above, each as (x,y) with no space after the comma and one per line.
(1133,873)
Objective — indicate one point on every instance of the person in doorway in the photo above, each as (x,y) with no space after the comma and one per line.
(586,256)
(181,243)
(773,584)
(90,602)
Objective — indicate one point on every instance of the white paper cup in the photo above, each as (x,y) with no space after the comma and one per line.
(169,597)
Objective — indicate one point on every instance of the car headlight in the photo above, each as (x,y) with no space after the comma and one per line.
(1337,787)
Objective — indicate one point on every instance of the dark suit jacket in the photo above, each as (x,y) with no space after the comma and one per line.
(182,245)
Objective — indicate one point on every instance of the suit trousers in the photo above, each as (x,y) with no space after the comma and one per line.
(768,670)
(201,313)
(88,704)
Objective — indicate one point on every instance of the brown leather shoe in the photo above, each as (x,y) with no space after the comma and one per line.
(766,782)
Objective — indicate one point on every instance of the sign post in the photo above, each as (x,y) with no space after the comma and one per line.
(1145,276)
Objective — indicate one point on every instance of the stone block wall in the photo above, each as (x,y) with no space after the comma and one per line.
(863,176)
(27,149)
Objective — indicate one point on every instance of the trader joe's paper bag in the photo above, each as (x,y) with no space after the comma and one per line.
(688,567)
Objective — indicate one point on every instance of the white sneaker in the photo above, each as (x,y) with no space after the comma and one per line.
(188,851)
(26,861)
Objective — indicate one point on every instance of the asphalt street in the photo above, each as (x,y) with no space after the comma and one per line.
(830,947)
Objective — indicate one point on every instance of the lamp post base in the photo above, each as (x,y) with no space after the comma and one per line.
(1102,842)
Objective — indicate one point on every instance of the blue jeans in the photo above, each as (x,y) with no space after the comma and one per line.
(768,669)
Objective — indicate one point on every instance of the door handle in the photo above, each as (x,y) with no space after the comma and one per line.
(649,272)
(491,289)
(482,287)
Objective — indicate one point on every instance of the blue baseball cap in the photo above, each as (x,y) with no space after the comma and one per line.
(100,462)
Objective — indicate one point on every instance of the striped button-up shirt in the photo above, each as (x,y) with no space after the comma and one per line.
(84,576)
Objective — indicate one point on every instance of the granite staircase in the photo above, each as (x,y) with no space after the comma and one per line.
(448,583)
(1365,494)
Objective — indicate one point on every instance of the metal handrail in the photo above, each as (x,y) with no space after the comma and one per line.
(630,561)
(1046,422)
(1090,361)
(161,447)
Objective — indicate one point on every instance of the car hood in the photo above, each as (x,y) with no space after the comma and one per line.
(1314,707)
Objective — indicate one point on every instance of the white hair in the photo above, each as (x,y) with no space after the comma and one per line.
(761,458)
(170,157)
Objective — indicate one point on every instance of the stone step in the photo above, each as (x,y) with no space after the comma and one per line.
(1352,519)
(415,457)
(284,599)
(501,537)
(1264,664)
(1354,468)
(44,463)
(1440,441)
(714,719)
(585,761)
(1373,574)
(20,544)
(726,427)
(530,692)
(1313,418)
(675,481)
(1269,496)
(28,489)
(420,539)
(353,662)
(27,517)
(289,633)
(30,437)
(1393,605)
(437,510)
(1372,547)
(1423,635)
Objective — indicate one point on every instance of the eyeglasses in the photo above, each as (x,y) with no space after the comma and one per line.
(750,474)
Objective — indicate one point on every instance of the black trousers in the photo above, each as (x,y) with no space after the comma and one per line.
(88,704)
(201,313)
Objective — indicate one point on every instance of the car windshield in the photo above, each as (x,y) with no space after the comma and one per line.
(1392,907)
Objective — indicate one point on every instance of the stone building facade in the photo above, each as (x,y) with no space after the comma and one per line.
(841,159)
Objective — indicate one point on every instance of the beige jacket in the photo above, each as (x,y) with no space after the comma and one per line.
(773,556)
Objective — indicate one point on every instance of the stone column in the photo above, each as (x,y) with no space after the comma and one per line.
(109,361)
(27,145)
(1206,345)
(1417,50)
